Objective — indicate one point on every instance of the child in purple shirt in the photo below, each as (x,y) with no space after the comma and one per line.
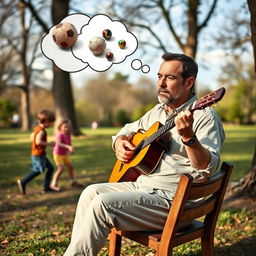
(60,155)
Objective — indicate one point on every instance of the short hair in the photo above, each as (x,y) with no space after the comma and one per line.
(189,66)
(45,116)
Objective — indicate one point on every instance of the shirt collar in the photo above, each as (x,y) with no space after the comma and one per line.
(186,105)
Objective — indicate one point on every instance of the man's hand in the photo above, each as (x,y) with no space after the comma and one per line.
(124,149)
(184,122)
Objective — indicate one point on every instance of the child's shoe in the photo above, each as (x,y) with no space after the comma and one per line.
(76,184)
(21,187)
(48,190)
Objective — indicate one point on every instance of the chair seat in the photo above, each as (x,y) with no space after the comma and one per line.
(155,236)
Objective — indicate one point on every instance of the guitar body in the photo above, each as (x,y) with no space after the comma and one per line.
(145,161)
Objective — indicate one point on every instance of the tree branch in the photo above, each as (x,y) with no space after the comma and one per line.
(204,23)
(30,6)
(167,17)
(148,28)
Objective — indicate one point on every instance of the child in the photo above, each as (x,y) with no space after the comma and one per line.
(38,155)
(60,154)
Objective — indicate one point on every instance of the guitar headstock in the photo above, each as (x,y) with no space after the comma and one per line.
(209,99)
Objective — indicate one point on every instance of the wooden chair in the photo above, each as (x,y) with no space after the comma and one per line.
(181,211)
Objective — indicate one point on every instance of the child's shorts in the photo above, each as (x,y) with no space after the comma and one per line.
(61,159)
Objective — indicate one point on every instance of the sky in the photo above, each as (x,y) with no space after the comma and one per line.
(208,57)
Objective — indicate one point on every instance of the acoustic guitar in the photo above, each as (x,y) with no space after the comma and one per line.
(150,145)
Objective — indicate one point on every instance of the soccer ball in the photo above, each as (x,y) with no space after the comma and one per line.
(64,35)
(97,45)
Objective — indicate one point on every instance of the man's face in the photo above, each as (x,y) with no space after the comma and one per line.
(173,90)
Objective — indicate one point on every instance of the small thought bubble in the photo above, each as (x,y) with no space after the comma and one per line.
(137,64)
(145,69)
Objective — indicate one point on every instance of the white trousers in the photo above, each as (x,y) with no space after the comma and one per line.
(121,205)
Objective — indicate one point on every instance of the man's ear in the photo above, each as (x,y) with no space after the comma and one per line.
(190,82)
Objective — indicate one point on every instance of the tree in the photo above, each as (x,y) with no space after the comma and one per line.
(134,13)
(18,53)
(241,91)
(248,184)
(61,89)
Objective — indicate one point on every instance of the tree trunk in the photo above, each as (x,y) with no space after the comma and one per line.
(25,100)
(25,110)
(63,98)
(62,90)
(190,47)
(252,9)
(248,184)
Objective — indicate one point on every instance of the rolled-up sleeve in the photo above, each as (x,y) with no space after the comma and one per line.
(210,133)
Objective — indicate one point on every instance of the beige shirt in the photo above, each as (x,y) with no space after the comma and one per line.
(208,130)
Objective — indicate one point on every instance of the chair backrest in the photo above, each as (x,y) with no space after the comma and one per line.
(195,199)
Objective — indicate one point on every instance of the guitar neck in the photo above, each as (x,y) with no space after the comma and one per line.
(161,131)
(202,103)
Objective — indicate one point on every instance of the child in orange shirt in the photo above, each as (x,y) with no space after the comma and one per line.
(38,155)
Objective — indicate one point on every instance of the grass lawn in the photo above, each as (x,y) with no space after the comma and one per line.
(40,224)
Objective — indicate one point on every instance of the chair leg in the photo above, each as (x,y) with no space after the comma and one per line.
(114,243)
(169,253)
(207,246)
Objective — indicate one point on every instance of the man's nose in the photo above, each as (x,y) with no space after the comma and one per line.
(162,82)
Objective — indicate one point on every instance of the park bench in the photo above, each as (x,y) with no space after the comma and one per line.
(201,216)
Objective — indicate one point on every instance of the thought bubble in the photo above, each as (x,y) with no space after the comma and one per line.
(80,56)
(64,58)
(94,28)
(137,64)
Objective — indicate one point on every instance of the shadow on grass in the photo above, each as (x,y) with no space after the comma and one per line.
(244,247)
(34,198)
(28,204)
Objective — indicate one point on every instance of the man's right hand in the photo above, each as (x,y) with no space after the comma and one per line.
(124,149)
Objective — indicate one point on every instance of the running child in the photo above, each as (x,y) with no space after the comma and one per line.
(38,153)
(61,157)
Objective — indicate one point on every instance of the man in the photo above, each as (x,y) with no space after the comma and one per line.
(143,205)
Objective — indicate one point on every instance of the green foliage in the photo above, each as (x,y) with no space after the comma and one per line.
(121,118)
(118,76)
(239,103)
(231,216)
(6,110)
(101,98)
(140,111)
(238,148)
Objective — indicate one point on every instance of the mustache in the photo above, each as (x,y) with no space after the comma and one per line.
(162,90)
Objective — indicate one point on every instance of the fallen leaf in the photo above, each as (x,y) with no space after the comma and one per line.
(6,241)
